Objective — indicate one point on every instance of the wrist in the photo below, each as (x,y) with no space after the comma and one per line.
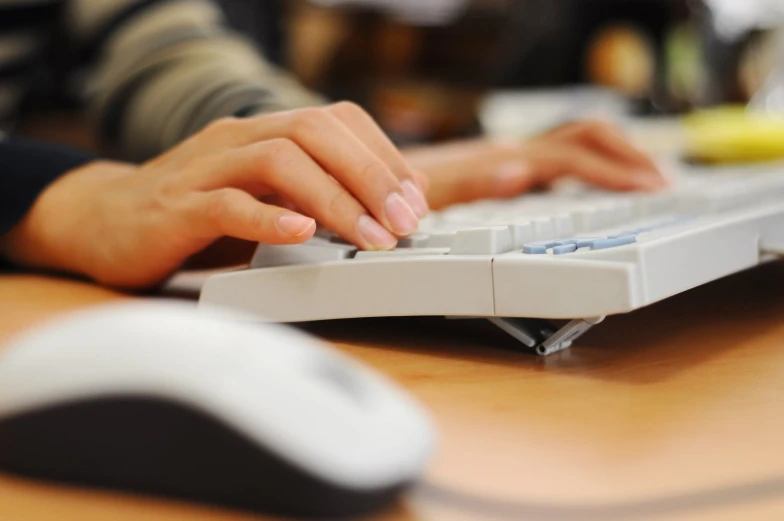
(51,234)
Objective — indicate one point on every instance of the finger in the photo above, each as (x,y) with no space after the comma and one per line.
(277,200)
(341,154)
(609,140)
(422,181)
(549,163)
(366,129)
(282,167)
(234,213)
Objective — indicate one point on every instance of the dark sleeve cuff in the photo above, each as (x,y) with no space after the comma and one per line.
(26,168)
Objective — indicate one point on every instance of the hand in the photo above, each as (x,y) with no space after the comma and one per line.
(132,226)
(591,151)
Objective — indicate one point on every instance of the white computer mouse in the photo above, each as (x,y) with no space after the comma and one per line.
(166,399)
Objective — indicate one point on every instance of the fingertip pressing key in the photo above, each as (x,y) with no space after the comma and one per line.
(400,216)
(415,199)
(376,237)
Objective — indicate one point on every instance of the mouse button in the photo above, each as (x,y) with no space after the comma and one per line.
(290,411)
(345,379)
(389,415)
(278,389)
(367,388)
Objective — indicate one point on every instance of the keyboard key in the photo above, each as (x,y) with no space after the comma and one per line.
(563,225)
(541,247)
(334,239)
(535,249)
(417,240)
(441,239)
(543,229)
(605,215)
(522,232)
(429,222)
(404,252)
(658,204)
(564,248)
(583,242)
(538,248)
(587,220)
(614,242)
(624,210)
(656,226)
(316,250)
(482,241)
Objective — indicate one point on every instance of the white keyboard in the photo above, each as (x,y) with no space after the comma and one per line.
(574,253)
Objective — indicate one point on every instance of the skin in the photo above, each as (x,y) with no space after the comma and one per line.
(592,151)
(272,178)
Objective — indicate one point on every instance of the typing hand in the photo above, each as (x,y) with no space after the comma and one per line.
(132,226)
(591,151)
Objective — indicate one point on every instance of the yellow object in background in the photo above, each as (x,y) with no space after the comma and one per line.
(734,134)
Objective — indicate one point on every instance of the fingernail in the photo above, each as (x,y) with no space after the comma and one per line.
(509,176)
(295,225)
(400,215)
(375,234)
(415,199)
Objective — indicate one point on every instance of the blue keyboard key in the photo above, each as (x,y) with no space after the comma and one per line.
(579,242)
(564,248)
(549,244)
(613,242)
(585,242)
(533,249)
(539,248)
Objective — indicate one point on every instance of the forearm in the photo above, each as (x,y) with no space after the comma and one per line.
(61,229)
(26,169)
(169,68)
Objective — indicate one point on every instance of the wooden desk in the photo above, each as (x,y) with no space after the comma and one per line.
(681,401)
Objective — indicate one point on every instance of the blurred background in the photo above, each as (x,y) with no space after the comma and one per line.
(437,69)
(432,70)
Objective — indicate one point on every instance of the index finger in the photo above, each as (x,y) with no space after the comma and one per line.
(366,129)
(550,163)
(609,140)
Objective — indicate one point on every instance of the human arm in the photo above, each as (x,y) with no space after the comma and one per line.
(132,226)
(26,169)
(170,67)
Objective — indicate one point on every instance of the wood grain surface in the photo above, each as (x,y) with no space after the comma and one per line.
(672,412)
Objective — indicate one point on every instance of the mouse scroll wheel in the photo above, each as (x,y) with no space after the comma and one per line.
(340,378)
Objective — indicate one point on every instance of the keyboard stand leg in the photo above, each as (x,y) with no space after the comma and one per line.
(542,336)
(772,247)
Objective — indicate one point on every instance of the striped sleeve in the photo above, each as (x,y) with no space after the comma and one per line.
(158,71)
